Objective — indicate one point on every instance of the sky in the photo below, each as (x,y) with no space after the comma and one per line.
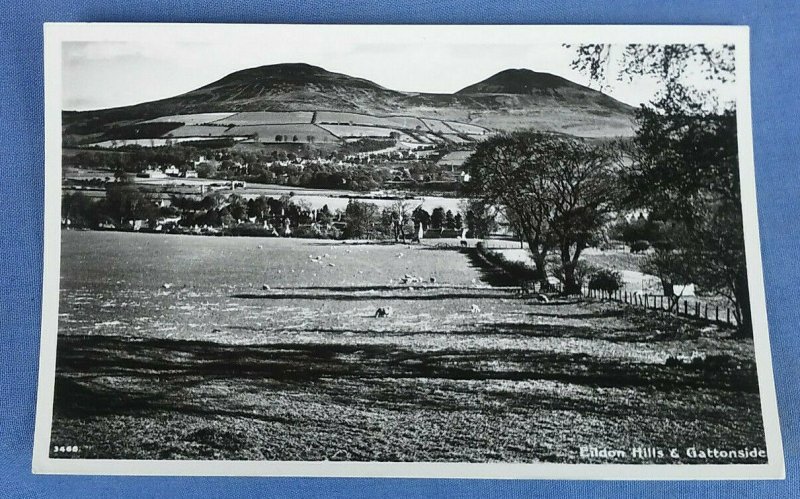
(102,74)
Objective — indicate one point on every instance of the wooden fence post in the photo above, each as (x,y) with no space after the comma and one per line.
(717,314)
(729,315)
(685,307)
(705,315)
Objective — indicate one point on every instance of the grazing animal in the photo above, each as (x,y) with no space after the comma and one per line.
(167,285)
(475,309)
(383,312)
(433,280)
(265,287)
(542,298)
(464,244)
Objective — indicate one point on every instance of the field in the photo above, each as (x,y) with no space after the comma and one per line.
(190,119)
(402,122)
(169,348)
(198,131)
(437,126)
(364,131)
(269,133)
(267,118)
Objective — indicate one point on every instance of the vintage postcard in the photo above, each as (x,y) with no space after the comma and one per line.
(406,251)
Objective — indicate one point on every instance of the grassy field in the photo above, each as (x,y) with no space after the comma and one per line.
(305,133)
(190,119)
(170,348)
(267,118)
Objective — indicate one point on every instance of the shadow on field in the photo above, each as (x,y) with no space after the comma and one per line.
(348,297)
(605,314)
(490,274)
(147,370)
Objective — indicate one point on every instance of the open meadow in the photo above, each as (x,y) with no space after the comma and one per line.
(191,347)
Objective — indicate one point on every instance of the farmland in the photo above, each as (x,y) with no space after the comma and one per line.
(307,126)
(190,119)
(363,131)
(300,133)
(169,348)
(267,118)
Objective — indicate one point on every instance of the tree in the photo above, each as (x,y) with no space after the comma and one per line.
(555,190)
(686,167)
(437,218)
(258,208)
(360,219)
(668,63)
(324,216)
(480,217)
(449,220)
(206,170)
(397,220)
(421,217)
(684,163)
(125,202)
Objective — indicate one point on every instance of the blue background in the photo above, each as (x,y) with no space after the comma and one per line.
(776,121)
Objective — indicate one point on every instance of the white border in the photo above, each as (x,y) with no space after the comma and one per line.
(55,34)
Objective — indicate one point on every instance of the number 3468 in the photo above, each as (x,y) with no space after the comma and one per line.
(62,448)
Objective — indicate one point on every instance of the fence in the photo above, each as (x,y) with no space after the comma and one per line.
(694,308)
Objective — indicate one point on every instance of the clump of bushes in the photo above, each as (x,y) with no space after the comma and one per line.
(605,280)
(639,246)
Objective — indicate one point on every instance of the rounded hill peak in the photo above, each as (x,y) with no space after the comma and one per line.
(518,81)
(292,74)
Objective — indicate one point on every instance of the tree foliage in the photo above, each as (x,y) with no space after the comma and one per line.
(557,191)
(683,165)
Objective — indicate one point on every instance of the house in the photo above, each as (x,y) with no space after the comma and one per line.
(190,174)
(172,171)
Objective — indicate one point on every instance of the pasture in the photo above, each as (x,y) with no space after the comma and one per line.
(171,347)
(267,118)
(351,131)
(301,133)
(341,118)
(190,119)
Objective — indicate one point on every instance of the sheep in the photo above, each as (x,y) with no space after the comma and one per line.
(383,312)
(475,309)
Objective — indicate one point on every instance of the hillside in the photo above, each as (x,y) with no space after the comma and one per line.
(511,99)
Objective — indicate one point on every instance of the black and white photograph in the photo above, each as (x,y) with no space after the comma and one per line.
(455,251)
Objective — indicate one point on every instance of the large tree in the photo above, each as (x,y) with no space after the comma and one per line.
(556,190)
(683,160)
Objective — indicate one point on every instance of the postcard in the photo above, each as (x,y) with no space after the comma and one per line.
(402,251)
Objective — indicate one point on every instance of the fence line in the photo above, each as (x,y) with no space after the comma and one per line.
(663,303)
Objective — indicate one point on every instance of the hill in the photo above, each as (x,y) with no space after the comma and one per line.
(519,81)
(511,99)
